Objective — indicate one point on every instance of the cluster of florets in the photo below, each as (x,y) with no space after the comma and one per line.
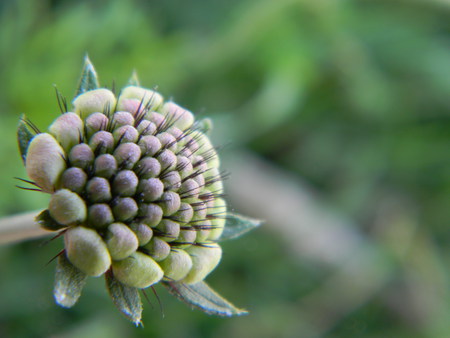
(135,186)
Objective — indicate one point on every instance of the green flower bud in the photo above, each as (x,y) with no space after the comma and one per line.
(81,156)
(149,98)
(120,240)
(125,209)
(150,189)
(96,122)
(127,154)
(218,221)
(148,167)
(102,142)
(170,203)
(183,118)
(74,179)
(45,161)
(67,130)
(204,260)
(176,266)
(123,118)
(67,208)
(143,232)
(105,166)
(98,190)
(168,230)
(150,214)
(126,134)
(157,248)
(137,271)
(97,100)
(86,250)
(125,183)
(99,216)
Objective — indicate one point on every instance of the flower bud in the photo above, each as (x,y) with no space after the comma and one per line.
(125,209)
(143,232)
(125,134)
(102,142)
(148,167)
(99,216)
(105,166)
(120,240)
(86,250)
(150,189)
(74,179)
(98,190)
(123,118)
(97,100)
(149,145)
(81,156)
(176,266)
(218,221)
(157,248)
(125,183)
(150,214)
(204,260)
(168,230)
(182,118)
(137,271)
(167,159)
(170,203)
(149,98)
(127,154)
(67,208)
(45,161)
(67,129)
(96,122)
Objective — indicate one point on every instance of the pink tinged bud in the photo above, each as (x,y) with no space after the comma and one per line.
(168,160)
(120,240)
(138,271)
(146,127)
(157,249)
(125,134)
(86,250)
(67,129)
(99,216)
(127,154)
(143,232)
(204,260)
(149,98)
(98,190)
(124,209)
(176,132)
(125,183)
(67,208)
(150,214)
(184,214)
(134,106)
(170,203)
(182,118)
(150,189)
(176,266)
(218,219)
(168,141)
(97,100)
(148,167)
(45,161)
(122,118)
(96,122)
(172,180)
(157,118)
(102,141)
(81,156)
(184,166)
(74,179)
(168,230)
(105,166)
(189,190)
(149,145)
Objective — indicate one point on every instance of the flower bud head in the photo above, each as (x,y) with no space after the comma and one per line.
(86,250)
(176,266)
(67,208)
(45,161)
(67,129)
(137,271)
(120,240)
(97,100)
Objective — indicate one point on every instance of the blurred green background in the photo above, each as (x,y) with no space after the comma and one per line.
(334,116)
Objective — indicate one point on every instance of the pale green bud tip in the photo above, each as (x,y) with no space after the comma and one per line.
(94,101)
(176,266)
(182,118)
(204,260)
(138,271)
(121,241)
(149,98)
(45,161)
(67,129)
(86,250)
(67,208)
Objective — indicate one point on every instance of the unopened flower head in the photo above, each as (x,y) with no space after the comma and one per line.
(136,189)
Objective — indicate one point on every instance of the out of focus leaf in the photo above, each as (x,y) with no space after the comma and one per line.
(125,298)
(237,225)
(69,282)
(202,297)
(88,79)
(24,136)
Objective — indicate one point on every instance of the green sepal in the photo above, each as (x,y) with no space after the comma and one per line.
(125,298)
(134,80)
(47,222)
(205,126)
(202,297)
(237,225)
(24,136)
(69,282)
(88,80)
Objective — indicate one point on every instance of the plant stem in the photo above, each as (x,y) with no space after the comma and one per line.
(20,227)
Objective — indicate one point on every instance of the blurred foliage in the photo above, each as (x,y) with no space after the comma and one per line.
(352,96)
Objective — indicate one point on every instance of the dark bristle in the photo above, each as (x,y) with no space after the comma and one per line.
(31,125)
(146,297)
(62,101)
(159,301)
(56,256)
(26,181)
(29,189)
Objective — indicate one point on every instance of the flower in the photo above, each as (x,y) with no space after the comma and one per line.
(136,192)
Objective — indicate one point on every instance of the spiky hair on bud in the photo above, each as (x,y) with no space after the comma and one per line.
(136,192)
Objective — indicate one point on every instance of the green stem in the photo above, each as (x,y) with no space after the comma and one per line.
(20,227)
